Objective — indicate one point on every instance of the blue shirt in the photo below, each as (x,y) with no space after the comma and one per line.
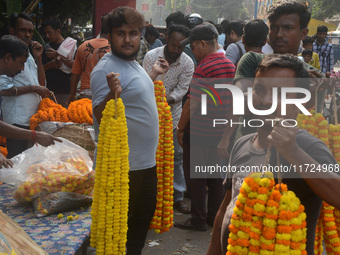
(138,96)
(19,109)
(221,39)
(156,44)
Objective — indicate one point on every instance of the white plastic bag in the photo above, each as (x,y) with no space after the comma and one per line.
(40,170)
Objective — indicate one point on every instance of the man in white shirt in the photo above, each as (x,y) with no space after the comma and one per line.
(22,93)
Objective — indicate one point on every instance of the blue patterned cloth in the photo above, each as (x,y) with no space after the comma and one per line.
(55,236)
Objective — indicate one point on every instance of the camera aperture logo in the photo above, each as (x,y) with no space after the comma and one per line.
(204,96)
(238,104)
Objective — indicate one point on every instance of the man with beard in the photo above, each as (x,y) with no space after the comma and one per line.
(22,93)
(176,82)
(136,89)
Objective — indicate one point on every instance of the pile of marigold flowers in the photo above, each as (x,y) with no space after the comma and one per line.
(268,219)
(48,111)
(111,188)
(80,111)
(163,218)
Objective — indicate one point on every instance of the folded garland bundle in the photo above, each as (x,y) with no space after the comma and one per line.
(111,188)
(267,219)
(163,218)
(80,111)
(48,111)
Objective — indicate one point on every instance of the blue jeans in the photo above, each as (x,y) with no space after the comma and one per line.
(179,180)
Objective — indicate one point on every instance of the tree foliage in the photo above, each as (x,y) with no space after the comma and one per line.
(80,11)
(323,9)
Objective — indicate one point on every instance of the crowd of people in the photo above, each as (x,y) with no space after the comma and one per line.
(129,55)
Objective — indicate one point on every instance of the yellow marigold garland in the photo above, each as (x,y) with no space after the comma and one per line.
(111,189)
(163,218)
(267,220)
(48,111)
(80,111)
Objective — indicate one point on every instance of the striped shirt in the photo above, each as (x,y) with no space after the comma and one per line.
(326,55)
(213,69)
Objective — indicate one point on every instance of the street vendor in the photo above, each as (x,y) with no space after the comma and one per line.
(22,93)
(136,89)
(295,147)
(13,55)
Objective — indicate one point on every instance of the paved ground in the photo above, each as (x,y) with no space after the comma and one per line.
(177,241)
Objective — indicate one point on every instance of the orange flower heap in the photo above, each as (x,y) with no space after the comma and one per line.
(80,111)
(48,111)
(163,218)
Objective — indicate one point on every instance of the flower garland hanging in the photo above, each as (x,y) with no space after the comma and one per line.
(80,111)
(111,190)
(48,111)
(267,220)
(163,218)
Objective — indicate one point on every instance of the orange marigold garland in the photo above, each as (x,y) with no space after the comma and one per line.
(48,111)
(267,220)
(80,111)
(163,218)
(328,226)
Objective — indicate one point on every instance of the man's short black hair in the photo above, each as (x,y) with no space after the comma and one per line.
(179,29)
(103,28)
(322,29)
(307,52)
(151,30)
(124,16)
(307,40)
(13,20)
(289,7)
(14,46)
(175,18)
(224,25)
(236,26)
(54,23)
(286,61)
(255,33)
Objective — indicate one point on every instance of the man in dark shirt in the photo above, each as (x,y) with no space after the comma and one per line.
(296,148)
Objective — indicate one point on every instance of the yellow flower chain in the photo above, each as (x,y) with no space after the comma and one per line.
(163,218)
(266,221)
(111,188)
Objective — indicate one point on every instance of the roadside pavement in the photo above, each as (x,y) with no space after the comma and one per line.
(176,240)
